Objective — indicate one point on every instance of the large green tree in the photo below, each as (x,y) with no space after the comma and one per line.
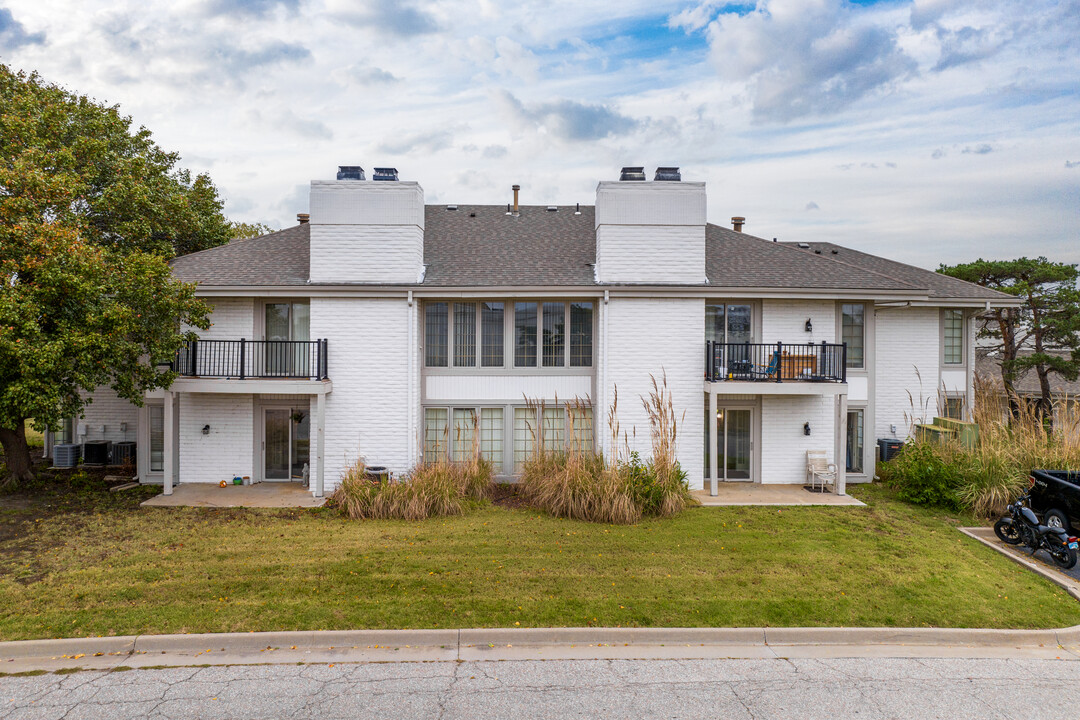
(1048,320)
(91,209)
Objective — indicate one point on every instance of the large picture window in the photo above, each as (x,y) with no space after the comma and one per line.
(853,332)
(953,321)
(455,433)
(560,429)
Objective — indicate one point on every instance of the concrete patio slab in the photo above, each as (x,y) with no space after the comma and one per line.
(759,494)
(260,495)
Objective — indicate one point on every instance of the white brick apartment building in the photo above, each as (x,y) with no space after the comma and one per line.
(394,330)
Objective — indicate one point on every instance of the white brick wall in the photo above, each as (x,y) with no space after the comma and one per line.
(107,410)
(366,253)
(907,361)
(367,412)
(650,253)
(785,321)
(231,319)
(783,444)
(653,336)
(228,450)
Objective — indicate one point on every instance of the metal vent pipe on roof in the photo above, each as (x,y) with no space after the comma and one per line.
(350,172)
(669,174)
(385,174)
(303,218)
(737,222)
(516,188)
(632,173)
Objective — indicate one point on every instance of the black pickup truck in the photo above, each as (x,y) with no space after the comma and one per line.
(1055,496)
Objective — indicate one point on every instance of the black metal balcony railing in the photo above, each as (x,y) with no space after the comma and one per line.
(243,359)
(778,362)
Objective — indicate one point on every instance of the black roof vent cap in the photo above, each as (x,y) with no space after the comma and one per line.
(552,208)
(804,246)
(350,172)
(669,174)
(385,174)
(632,173)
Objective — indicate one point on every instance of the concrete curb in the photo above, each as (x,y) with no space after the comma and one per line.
(470,639)
(1065,582)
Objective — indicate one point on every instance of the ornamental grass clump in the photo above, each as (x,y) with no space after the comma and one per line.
(430,489)
(572,480)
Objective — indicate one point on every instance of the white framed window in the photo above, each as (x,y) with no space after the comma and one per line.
(157,437)
(560,428)
(455,432)
(853,332)
(953,406)
(952,322)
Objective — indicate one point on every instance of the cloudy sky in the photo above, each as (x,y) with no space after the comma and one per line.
(929,131)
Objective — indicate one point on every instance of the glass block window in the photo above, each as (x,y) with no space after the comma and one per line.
(581,429)
(436,434)
(491,332)
(157,437)
(491,436)
(554,334)
(464,334)
(525,334)
(954,337)
(436,327)
(554,427)
(853,332)
(462,434)
(525,430)
(855,441)
(581,324)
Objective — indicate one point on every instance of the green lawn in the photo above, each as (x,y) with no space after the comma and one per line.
(91,563)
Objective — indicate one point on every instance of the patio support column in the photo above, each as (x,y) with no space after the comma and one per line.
(714,464)
(320,442)
(169,431)
(841,445)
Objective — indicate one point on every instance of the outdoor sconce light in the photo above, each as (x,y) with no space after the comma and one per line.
(806,428)
(206,430)
(809,325)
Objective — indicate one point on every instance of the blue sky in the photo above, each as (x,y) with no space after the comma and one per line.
(927,130)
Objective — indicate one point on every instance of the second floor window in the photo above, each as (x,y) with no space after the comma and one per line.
(954,337)
(728,323)
(852,332)
(553,319)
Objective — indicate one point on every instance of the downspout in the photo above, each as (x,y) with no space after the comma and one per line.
(411,414)
(604,390)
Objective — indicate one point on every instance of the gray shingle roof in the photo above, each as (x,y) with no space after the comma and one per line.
(279,258)
(738,260)
(940,286)
(480,245)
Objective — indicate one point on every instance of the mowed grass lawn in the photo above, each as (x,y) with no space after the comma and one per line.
(94,563)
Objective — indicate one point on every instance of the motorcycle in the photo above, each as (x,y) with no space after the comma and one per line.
(1021,525)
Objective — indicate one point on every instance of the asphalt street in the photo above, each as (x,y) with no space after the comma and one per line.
(551,689)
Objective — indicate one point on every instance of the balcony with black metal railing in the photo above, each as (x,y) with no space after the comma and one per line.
(253,359)
(776,362)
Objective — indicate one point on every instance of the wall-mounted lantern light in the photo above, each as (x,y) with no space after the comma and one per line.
(809,325)
(206,430)
(806,428)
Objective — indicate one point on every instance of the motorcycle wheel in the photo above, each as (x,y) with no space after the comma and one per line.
(1062,555)
(1007,531)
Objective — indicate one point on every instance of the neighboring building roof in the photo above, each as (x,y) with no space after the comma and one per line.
(279,258)
(480,245)
(988,366)
(940,286)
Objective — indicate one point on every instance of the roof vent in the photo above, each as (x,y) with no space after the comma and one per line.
(350,172)
(303,218)
(670,174)
(804,246)
(451,207)
(632,173)
(577,209)
(835,252)
(553,208)
(737,222)
(385,174)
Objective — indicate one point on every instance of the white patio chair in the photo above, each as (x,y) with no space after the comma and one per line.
(819,470)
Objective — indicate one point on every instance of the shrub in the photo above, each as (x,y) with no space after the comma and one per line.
(922,476)
(428,490)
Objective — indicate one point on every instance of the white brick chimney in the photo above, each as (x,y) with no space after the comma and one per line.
(650,232)
(366,231)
